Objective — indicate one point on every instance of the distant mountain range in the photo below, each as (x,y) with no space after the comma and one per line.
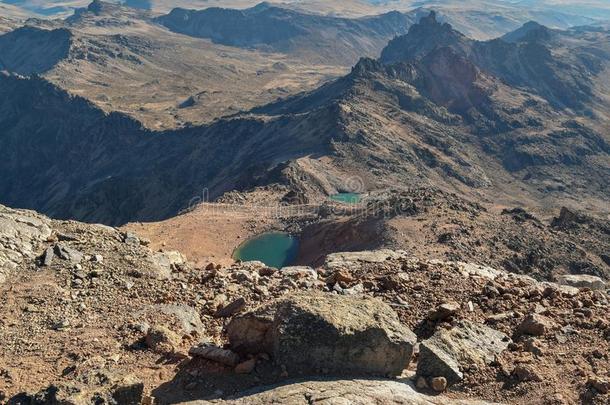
(478,18)
(315,38)
(436,109)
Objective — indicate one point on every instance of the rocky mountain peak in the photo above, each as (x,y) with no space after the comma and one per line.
(104,13)
(429,25)
(529,32)
(262,6)
(428,22)
(422,38)
(99,7)
(365,65)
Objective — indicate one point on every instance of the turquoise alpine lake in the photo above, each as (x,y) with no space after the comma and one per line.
(348,198)
(275,249)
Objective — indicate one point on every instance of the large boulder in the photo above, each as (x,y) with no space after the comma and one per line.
(309,333)
(449,351)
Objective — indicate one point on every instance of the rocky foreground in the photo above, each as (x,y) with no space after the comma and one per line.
(91,315)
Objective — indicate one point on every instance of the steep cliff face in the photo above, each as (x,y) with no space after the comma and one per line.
(30,50)
(313,37)
(63,156)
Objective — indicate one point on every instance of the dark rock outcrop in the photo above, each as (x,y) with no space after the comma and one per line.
(30,50)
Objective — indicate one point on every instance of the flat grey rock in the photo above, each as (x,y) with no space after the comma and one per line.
(340,392)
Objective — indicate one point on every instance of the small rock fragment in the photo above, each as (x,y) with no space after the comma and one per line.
(444,311)
(340,276)
(131,239)
(467,344)
(214,353)
(535,325)
(64,324)
(162,340)
(421,383)
(231,309)
(582,281)
(439,384)
(532,345)
(267,271)
(299,272)
(68,253)
(47,257)
(525,373)
(246,367)
(600,385)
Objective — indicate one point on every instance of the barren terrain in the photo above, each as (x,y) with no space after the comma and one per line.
(472,269)
(82,302)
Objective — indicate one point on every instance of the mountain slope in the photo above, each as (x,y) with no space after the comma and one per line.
(315,38)
(438,119)
(121,60)
(108,168)
(557,65)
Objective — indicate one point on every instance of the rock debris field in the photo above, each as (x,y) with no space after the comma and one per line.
(90,314)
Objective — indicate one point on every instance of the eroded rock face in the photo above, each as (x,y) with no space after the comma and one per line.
(356,392)
(20,234)
(311,332)
(251,333)
(448,352)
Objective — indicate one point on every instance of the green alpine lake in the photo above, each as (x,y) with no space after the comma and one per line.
(348,198)
(275,249)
